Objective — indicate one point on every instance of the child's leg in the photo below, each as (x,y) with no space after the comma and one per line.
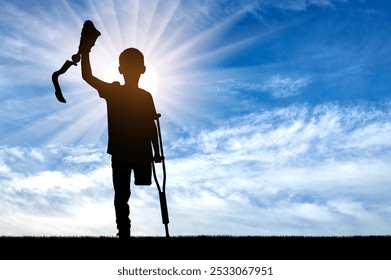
(121,183)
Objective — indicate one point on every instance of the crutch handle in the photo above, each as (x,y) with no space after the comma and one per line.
(158,159)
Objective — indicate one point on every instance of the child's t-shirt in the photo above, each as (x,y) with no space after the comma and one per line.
(130,118)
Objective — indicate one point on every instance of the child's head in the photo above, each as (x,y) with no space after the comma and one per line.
(131,62)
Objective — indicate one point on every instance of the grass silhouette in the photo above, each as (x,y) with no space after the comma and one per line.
(193,247)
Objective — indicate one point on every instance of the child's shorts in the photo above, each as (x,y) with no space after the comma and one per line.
(142,174)
(142,171)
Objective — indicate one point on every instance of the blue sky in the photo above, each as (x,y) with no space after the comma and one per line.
(276,116)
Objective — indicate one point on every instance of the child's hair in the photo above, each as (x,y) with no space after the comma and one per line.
(131,56)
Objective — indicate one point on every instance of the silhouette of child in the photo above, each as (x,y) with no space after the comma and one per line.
(132,132)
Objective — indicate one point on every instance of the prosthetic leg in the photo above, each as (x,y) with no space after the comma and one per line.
(88,37)
(161,189)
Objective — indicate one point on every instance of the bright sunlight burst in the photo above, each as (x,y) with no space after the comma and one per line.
(149,80)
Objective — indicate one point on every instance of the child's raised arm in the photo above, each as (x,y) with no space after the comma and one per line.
(88,37)
(86,72)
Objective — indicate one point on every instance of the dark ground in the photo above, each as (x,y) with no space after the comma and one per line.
(196,248)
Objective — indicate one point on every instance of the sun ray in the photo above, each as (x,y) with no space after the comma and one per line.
(71,12)
(203,39)
(126,18)
(115,25)
(51,128)
(217,53)
(169,43)
(108,33)
(163,23)
(134,25)
(148,17)
(82,127)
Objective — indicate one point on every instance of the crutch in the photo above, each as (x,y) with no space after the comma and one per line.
(161,189)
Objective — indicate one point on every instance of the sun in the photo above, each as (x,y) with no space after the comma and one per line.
(148,80)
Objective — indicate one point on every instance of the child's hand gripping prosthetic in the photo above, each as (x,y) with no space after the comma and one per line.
(88,37)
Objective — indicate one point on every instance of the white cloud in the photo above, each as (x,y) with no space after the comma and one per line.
(274,164)
(281,87)
(297,5)
(278,86)
(289,157)
(298,170)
